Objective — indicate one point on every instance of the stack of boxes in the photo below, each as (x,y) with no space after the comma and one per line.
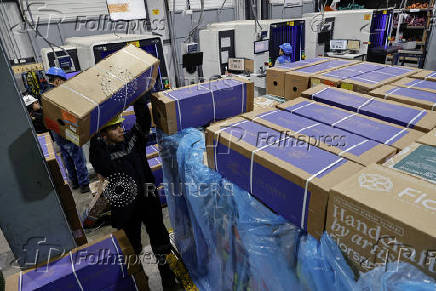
(330,162)
(59,178)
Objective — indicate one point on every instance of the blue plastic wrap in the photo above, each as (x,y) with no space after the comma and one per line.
(228,240)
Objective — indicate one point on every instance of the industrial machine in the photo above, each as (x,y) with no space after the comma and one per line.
(64,57)
(343,46)
(346,24)
(253,40)
(92,49)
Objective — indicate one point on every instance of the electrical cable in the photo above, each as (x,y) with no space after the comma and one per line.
(255,15)
(171,21)
(200,20)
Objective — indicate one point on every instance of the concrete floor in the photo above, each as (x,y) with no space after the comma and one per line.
(82,201)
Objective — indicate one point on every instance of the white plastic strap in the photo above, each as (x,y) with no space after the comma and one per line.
(303,214)
(243,98)
(393,91)
(367,80)
(134,281)
(395,135)
(415,118)
(307,127)
(417,83)
(74,272)
(118,255)
(178,106)
(430,76)
(20,282)
(353,147)
(319,92)
(264,115)
(364,104)
(343,119)
(298,108)
(383,73)
(213,101)
(88,99)
(252,159)
(217,134)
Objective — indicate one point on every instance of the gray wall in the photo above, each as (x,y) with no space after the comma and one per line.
(31,216)
(277,11)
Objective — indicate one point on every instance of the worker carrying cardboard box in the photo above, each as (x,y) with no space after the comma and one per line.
(121,158)
(72,154)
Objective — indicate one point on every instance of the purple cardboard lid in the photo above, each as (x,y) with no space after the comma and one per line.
(348,121)
(413,93)
(395,71)
(399,114)
(351,71)
(323,66)
(43,143)
(155,162)
(151,149)
(423,84)
(297,153)
(320,132)
(371,77)
(298,63)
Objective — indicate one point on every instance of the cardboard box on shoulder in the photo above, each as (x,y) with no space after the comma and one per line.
(334,77)
(297,81)
(428,139)
(59,178)
(417,160)
(389,111)
(366,82)
(351,146)
(277,169)
(425,75)
(275,76)
(380,216)
(368,127)
(200,104)
(425,85)
(78,108)
(409,96)
(109,263)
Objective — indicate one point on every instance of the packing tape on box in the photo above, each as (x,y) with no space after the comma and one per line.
(391,93)
(430,76)
(86,98)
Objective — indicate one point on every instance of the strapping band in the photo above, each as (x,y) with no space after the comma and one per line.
(213,101)
(353,147)
(303,214)
(319,92)
(178,106)
(416,83)
(74,272)
(367,102)
(87,99)
(343,119)
(395,135)
(367,80)
(298,108)
(393,91)
(411,122)
(307,127)
(430,76)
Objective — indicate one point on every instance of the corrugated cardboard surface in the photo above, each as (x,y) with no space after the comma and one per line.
(371,128)
(339,142)
(278,182)
(82,105)
(381,213)
(389,111)
(425,85)
(275,76)
(410,96)
(166,111)
(417,160)
(62,188)
(85,257)
(429,138)
(425,75)
(297,81)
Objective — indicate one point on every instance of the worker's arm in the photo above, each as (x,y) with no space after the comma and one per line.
(99,156)
(143,118)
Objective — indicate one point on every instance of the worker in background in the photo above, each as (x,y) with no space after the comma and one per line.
(72,154)
(120,157)
(35,111)
(285,53)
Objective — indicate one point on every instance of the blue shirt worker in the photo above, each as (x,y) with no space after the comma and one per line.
(285,53)
(72,154)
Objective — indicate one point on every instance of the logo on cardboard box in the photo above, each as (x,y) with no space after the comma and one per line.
(375,182)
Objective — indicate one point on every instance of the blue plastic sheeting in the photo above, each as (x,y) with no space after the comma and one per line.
(230,241)
(227,239)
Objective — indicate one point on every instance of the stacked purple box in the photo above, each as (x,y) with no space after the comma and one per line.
(381,75)
(352,71)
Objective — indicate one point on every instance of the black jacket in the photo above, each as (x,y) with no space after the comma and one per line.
(38,123)
(128,158)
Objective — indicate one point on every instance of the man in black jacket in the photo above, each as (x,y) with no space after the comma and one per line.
(35,111)
(120,157)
